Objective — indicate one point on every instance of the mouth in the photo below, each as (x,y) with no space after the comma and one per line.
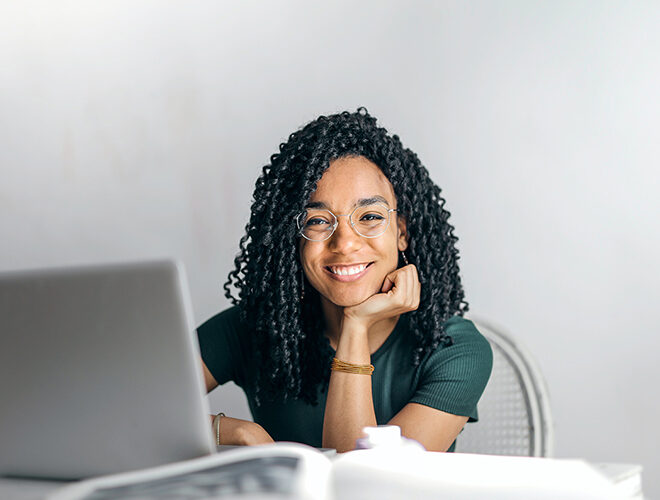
(347,273)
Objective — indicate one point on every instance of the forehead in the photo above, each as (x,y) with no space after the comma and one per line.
(350,179)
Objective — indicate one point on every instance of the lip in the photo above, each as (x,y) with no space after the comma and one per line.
(351,277)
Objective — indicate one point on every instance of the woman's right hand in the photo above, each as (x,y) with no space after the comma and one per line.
(399,294)
(235,431)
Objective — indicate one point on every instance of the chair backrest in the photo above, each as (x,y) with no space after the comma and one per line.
(514,410)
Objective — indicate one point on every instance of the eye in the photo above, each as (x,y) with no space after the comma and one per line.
(316,221)
(371,217)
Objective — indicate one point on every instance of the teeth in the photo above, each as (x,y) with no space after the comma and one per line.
(347,271)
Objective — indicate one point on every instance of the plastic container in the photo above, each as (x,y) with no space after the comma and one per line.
(385,436)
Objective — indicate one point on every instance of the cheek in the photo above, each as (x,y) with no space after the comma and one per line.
(308,256)
(390,252)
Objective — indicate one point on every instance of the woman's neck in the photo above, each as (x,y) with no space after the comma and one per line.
(334,317)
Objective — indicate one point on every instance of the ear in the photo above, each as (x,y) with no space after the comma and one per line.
(402,231)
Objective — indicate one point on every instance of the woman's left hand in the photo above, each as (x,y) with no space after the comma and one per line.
(399,294)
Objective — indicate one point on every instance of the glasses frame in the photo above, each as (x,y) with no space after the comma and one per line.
(350,220)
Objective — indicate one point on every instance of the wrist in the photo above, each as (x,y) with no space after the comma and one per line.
(354,326)
(253,434)
(353,345)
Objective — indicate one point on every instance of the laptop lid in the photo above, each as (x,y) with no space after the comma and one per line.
(99,371)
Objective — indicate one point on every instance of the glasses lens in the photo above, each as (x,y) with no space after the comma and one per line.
(316,224)
(371,220)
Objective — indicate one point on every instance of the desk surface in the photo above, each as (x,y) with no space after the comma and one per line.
(627,476)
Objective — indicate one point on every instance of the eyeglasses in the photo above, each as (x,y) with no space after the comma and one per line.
(369,221)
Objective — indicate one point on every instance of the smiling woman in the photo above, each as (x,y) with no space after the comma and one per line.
(349,265)
(349,306)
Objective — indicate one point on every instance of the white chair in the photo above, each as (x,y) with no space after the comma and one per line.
(514,410)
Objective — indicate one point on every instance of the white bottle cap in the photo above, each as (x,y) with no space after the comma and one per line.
(383,435)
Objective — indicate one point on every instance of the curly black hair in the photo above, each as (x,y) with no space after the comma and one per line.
(287,331)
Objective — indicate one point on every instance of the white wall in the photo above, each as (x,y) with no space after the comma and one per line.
(137,129)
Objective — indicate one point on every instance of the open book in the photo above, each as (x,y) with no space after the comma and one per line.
(281,470)
(289,470)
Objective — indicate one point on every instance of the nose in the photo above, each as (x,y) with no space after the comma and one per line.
(344,240)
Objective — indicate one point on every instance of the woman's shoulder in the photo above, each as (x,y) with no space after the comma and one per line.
(464,328)
(468,347)
(224,346)
(231,313)
(226,321)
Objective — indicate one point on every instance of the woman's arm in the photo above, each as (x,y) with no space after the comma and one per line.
(435,429)
(209,380)
(349,405)
(233,430)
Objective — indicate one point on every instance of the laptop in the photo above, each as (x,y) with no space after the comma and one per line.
(99,371)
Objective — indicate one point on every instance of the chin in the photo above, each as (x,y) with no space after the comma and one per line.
(350,299)
(347,302)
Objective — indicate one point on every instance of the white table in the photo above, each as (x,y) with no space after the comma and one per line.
(627,477)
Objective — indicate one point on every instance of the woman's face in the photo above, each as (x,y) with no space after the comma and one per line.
(347,268)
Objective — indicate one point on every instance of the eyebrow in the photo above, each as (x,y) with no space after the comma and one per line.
(360,203)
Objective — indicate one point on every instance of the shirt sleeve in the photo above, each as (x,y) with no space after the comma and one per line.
(222,343)
(453,378)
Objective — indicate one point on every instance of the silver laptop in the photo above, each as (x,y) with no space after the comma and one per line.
(99,371)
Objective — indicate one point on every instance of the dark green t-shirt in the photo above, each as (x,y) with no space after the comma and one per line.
(450,379)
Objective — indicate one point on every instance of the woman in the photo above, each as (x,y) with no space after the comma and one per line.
(349,306)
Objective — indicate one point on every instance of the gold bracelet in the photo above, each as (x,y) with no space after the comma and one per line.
(216,427)
(342,366)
